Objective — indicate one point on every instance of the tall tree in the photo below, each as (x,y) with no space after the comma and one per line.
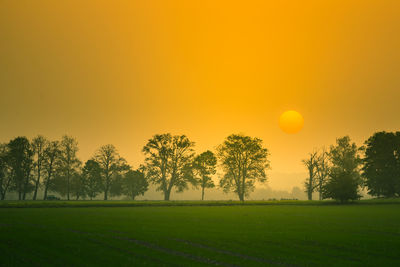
(323,170)
(20,156)
(111,165)
(69,161)
(204,166)
(344,178)
(50,162)
(311,164)
(167,162)
(244,161)
(39,144)
(92,175)
(381,170)
(5,175)
(134,184)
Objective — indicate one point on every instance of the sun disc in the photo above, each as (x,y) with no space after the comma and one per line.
(291,122)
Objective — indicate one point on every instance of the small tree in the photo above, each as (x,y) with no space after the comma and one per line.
(344,178)
(78,186)
(92,176)
(112,166)
(134,184)
(204,166)
(244,161)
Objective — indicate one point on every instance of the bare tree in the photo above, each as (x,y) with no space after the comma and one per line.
(323,169)
(39,144)
(311,164)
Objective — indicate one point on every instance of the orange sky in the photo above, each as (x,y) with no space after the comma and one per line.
(120,71)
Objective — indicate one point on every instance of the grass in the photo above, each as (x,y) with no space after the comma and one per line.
(190,233)
(157,203)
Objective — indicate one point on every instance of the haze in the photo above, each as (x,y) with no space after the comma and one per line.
(119,72)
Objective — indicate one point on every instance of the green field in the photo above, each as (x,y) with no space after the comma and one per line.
(190,234)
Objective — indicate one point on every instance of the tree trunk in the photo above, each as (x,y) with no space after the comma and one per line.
(45,189)
(202,193)
(241,198)
(106,194)
(167,194)
(320,192)
(36,186)
(68,184)
(310,186)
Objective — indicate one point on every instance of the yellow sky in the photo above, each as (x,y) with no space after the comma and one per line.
(120,71)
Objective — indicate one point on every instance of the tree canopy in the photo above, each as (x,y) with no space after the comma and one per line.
(244,161)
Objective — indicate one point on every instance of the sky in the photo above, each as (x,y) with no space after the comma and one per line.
(121,71)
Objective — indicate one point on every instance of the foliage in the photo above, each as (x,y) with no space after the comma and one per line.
(20,160)
(204,166)
(134,184)
(69,164)
(317,165)
(39,145)
(91,173)
(112,166)
(344,179)
(78,186)
(244,161)
(381,169)
(5,175)
(167,162)
(51,161)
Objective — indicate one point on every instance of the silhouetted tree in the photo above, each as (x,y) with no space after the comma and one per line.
(92,175)
(311,164)
(5,175)
(116,187)
(20,156)
(167,161)
(204,166)
(39,144)
(134,184)
(111,165)
(51,161)
(78,185)
(381,169)
(244,161)
(69,162)
(323,170)
(344,178)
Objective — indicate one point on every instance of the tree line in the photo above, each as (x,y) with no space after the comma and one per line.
(342,170)
(170,164)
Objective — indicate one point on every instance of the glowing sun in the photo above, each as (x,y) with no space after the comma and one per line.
(291,122)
